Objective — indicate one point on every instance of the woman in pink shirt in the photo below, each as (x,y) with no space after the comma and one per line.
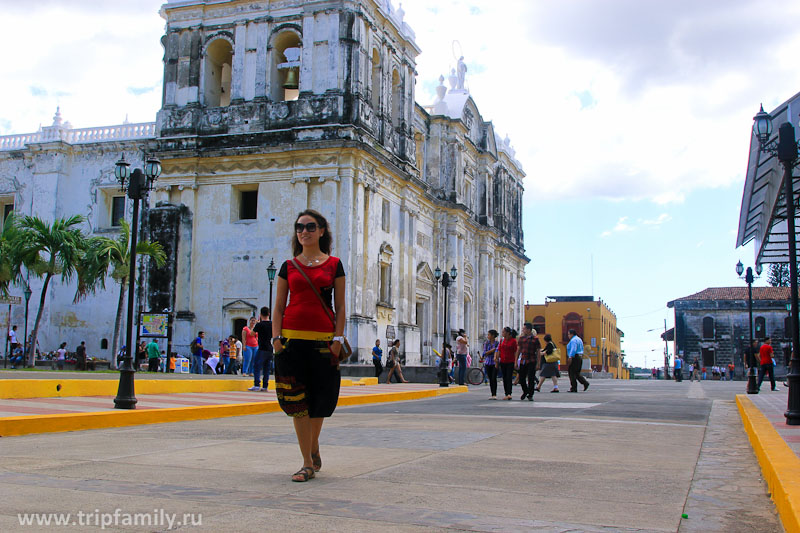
(250,339)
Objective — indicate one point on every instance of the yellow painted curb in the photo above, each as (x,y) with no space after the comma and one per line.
(15,389)
(780,466)
(28,425)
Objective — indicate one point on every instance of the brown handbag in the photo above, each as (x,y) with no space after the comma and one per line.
(346,350)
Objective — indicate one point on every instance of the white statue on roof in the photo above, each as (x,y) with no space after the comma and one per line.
(461,69)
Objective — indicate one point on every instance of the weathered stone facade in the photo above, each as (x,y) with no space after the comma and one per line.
(406,188)
(713,325)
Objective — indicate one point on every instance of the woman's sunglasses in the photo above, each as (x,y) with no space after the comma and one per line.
(311,227)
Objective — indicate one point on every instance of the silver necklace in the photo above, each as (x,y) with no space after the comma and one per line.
(309,262)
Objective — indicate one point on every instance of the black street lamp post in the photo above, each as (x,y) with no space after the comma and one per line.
(271,270)
(138,184)
(446,280)
(25,348)
(786,151)
(752,387)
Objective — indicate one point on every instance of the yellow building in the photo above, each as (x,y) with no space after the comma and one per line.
(594,322)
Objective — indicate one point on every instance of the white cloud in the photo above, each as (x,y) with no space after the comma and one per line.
(619,99)
(621,226)
(663,218)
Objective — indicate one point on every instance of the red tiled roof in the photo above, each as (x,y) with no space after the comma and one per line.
(739,293)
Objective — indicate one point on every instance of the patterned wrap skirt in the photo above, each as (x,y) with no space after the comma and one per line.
(307,379)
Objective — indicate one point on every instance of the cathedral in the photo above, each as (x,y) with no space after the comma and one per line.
(270,107)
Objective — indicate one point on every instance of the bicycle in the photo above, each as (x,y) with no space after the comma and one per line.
(475,375)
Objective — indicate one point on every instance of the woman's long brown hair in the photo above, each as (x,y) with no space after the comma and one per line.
(324,240)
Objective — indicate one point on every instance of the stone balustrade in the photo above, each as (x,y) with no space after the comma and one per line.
(143,130)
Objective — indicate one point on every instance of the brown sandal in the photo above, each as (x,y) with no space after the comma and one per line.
(303,475)
(316,460)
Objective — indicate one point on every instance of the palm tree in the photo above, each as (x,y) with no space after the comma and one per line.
(104,253)
(47,250)
(9,254)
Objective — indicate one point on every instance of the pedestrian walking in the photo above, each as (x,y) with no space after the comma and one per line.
(394,358)
(61,355)
(377,355)
(153,355)
(462,349)
(80,356)
(696,370)
(549,370)
(250,339)
(678,368)
(508,351)
(488,358)
(196,348)
(307,335)
(528,348)
(12,339)
(263,330)
(767,366)
(575,356)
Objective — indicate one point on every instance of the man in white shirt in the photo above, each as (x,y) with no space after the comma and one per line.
(12,339)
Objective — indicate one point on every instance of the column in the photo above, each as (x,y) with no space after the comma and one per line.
(262,36)
(237,74)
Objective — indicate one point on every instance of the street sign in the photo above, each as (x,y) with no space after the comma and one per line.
(390,332)
(10,300)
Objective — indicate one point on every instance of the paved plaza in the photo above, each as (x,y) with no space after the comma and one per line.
(623,456)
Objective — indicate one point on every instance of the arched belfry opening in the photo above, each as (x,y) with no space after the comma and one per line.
(218,62)
(286,53)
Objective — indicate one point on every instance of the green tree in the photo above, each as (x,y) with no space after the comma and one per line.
(778,275)
(10,261)
(103,254)
(48,250)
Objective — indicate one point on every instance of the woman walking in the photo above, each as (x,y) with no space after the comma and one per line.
(250,347)
(488,358)
(462,349)
(377,355)
(507,349)
(307,335)
(393,363)
(549,370)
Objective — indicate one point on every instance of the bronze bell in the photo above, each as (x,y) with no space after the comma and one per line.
(291,79)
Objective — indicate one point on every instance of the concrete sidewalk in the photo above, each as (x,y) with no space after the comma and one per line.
(777,446)
(623,456)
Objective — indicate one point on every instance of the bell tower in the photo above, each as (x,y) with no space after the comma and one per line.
(275,72)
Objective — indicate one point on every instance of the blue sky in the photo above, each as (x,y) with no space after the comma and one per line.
(631,119)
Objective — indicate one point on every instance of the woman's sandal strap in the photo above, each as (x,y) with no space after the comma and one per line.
(306,473)
(316,461)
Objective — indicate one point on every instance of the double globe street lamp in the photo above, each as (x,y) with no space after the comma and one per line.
(751,362)
(137,184)
(446,280)
(785,149)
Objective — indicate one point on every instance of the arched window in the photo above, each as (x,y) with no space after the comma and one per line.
(218,61)
(708,328)
(104,344)
(571,321)
(539,325)
(376,81)
(385,281)
(397,99)
(286,52)
(761,327)
(787,327)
